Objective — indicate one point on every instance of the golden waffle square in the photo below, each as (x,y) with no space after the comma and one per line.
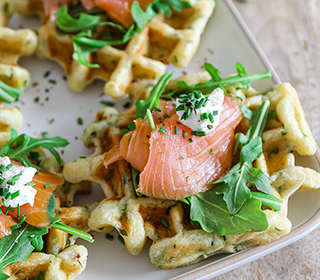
(175,240)
(69,263)
(146,56)
(13,45)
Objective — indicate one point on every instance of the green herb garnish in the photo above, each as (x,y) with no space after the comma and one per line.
(154,98)
(230,208)
(216,81)
(56,223)
(17,246)
(19,147)
(9,94)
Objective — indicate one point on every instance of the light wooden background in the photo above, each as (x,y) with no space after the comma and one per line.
(289,33)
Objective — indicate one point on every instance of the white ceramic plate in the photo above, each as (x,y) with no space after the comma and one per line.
(51,107)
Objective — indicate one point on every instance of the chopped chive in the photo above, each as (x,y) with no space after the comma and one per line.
(175,129)
(203,116)
(180,108)
(1,191)
(184,133)
(80,121)
(183,100)
(5,191)
(18,210)
(11,182)
(107,103)
(211,118)
(15,226)
(189,112)
(181,157)
(166,115)
(46,74)
(158,109)
(16,177)
(150,119)
(164,222)
(4,202)
(15,194)
(190,140)
(162,130)
(120,238)
(8,209)
(30,184)
(215,112)
(184,116)
(12,210)
(2,168)
(7,195)
(200,103)
(149,217)
(9,166)
(109,237)
(46,185)
(198,133)
(197,93)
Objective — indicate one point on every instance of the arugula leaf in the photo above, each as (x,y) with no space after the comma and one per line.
(141,17)
(9,94)
(56,223)
(236,182)
(269,200)
(19,147)
(68,24)
(165,6)
(216,81)
(154,98)
(18,245)
(210,211)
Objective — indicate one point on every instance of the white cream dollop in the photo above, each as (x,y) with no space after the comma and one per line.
(26,192)
(212,106)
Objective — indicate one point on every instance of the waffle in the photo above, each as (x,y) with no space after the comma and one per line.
(146,56)
(175,240)
(13,45)
(65,266)
(6,10)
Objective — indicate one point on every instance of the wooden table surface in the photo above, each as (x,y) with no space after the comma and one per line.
(288,31)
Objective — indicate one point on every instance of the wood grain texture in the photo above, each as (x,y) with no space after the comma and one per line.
(289,33)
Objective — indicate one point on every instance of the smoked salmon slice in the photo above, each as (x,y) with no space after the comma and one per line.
(45,184)
(119,11)
(177,164)
(6,222)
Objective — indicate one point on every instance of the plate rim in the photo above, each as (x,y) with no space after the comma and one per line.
(238,259)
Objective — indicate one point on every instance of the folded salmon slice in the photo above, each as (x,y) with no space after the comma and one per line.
(45,184)
(6,222)
(175,166)
(119,11)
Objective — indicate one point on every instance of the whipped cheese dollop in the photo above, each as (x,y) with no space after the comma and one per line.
(200,112)
(16,184)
